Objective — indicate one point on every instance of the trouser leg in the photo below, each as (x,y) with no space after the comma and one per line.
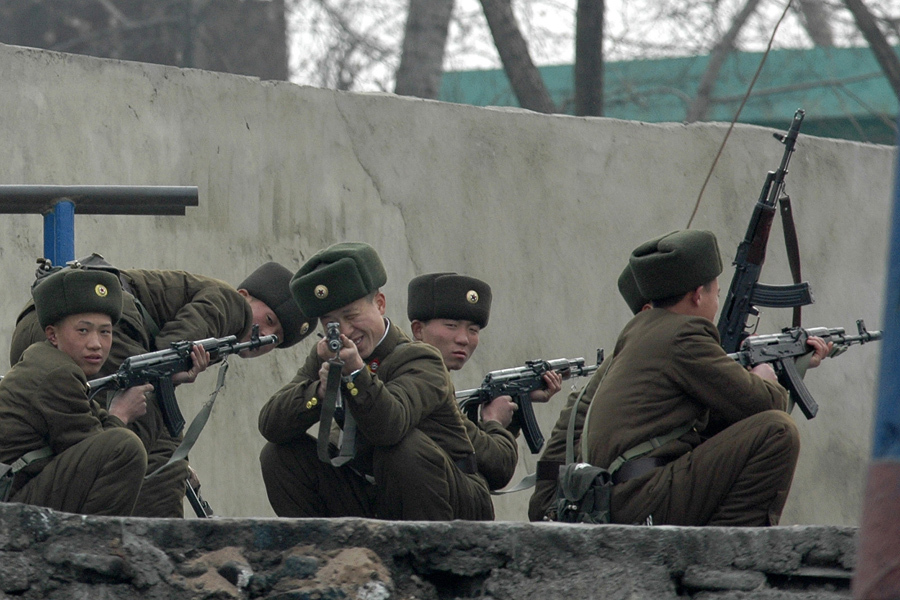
(416,480)
(298,484)
(163,494)
(740,477)
(101,475)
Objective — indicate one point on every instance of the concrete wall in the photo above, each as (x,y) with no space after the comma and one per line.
(545,208)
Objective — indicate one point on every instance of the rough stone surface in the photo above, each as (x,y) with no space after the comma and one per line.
(46,554)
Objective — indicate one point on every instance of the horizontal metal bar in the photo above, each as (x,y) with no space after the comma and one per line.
(99,199)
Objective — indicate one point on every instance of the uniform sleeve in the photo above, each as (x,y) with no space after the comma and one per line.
(387,412)
(294,408)
(190,307)
(706,373)
(70,416)
(495,450)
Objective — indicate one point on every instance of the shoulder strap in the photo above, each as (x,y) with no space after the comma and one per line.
(30,457)
(646,447)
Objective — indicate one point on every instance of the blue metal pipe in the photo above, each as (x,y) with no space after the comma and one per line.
(59,232)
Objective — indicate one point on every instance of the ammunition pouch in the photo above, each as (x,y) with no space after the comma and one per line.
(583,494)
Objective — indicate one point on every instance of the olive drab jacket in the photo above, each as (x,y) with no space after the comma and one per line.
(44,401)
(669,371)
(404,387)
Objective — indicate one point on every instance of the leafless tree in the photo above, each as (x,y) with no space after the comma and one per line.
(885,55)
(424,40)
(523,76)
(589,57)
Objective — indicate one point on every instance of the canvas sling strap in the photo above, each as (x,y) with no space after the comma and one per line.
(333,406)
(197,424)
(792,247)
(7,472)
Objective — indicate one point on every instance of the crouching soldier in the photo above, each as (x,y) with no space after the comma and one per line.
(71,454)
(404,452)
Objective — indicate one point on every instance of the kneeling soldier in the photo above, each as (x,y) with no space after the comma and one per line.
(77,456)
(413,459)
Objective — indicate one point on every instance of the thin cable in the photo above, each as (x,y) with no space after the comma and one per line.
(738,114)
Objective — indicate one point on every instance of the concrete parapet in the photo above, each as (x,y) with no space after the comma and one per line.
(46,554)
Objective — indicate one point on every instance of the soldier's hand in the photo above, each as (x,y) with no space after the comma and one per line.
(130,404)
(499,409)
(199,362)
(348,353)
(552,383)
(821,349)
(765,371)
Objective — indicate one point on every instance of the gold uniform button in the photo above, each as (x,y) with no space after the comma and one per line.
(312,402)
(354,391)
(350,385)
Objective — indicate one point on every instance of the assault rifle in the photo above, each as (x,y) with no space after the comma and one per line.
(780,350)
(519,382)
(158,367)
(746,292)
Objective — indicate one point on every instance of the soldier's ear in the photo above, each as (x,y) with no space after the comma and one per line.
(417,327)
(50,332)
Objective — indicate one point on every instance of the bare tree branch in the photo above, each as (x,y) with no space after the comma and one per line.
(882,50)
(700,106)
(523,76)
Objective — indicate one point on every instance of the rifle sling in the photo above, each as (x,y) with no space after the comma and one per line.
(348,436)
(197,424)
(792,246)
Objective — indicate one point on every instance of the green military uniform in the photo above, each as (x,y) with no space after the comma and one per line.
(554,454)
(460,297)
(97,464)
(667,374)
(162,307)
(413,459)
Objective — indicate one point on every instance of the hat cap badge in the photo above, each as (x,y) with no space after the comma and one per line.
(321,292)
(472,296)
(101,290)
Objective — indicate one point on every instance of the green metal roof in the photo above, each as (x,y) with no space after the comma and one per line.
(843,91)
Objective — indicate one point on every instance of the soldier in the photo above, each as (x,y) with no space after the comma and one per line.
(449,311)
(413,459)
(554,455)
(161,307)
(77,456)
(666,376)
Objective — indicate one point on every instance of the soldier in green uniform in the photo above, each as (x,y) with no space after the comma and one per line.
(554,455)
(667,374)
(77,456)
(161,307)
(413,459)
(448,311)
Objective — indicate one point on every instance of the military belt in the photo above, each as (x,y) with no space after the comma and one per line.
(637,467)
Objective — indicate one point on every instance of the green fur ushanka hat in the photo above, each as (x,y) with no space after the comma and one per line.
(74,291)
(675,263)
(270,283)
(629,290)
(449,296)
(336,276)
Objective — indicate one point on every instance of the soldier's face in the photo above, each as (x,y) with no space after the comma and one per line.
(268,323)
(455,339)
(362,321)
(85,337)
(709,300)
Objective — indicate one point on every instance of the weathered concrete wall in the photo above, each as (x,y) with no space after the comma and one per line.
(44,554)
(545,208)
